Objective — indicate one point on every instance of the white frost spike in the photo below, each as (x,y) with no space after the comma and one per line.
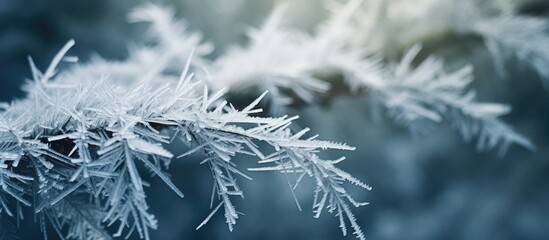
(183,78)
(53,65)
(209,216)
(147,147)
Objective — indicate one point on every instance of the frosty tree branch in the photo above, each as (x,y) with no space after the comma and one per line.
(72,149)
(411,95)
(83,140)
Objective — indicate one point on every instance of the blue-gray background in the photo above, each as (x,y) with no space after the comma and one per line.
(430,186)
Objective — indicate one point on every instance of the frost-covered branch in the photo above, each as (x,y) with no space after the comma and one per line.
(428,92)
(290,63)
(388,26)
(75,148)
(80,139)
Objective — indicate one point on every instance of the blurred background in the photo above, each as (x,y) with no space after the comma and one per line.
(430,186)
